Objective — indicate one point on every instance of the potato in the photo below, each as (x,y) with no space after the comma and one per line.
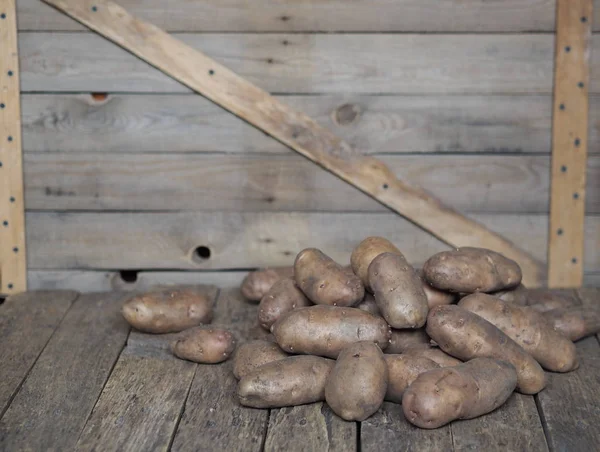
(466,336)
(435,297)
(574,322)
(398,291)
(472,389)
(167,310)
(207,345)
(369,304)
(436,355)
(251,355)
(284,296)
(358,382)
(365,252)
(325,330)
(471,270)
(404,340)
(528,329)
(543,300)
(403,370)
(324,281)
(287,382)
(517,295)
(257,283)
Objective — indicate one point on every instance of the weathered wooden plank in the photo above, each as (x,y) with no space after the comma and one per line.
(307,63)
(389,427)
(13,255)
(374,124)
(27,321)
(569,404)
(515,426)
(569,143)
(246,240)
(142,401)
(312,427)
(315,15)
(212,411)
(99,181)
(55,400)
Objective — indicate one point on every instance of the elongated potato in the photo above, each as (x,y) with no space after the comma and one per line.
(575,322)
(326,330)
(257,283)
(403,370)
(398,291)
(287,382)
(324,281)
(251,355)
(436,355)
(357,384)
(365,252)
(167,310)
(207,345)
(409,339)
(466,336)
(283,297)
(528,329)
(435,297)
(369,304)
(543,300)
(471,270)
(472,389)
(517,295)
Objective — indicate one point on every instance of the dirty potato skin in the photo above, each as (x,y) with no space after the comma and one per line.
(408,339)
(324,281)
(472,389)
(365,252)
(287,382)
(517,296)
(162,311)
(257,283)
(206,345)
(251,355)
(403,370)
(575,322)
(357,384)
(466,336)
(326,330)
(398,291)
(471,270)
(527,328)
(435,297)
(369,304)
(283,297)
(542,300)
(436,355)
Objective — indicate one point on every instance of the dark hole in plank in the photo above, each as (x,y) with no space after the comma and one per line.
(129,276)
(99,97)
(202,252)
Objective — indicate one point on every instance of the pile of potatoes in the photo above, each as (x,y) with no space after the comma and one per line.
(449,341)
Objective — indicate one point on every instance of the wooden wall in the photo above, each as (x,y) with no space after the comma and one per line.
(454,95)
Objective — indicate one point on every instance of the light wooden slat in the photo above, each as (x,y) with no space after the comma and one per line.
(27,321)
(124,123)
(13,262)
(306,63)
(389,427)
(212,408)
(55,400)
(312,427)
(98,181)
(569,143)
(515,426)
(315,15)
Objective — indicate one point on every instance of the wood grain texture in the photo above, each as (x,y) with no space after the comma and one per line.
(569,143)
(306,63)
(212,409)
(137,182)
(315,15)
(312,427)
(124,123)
(569,402)
(389,427)
(13,253)
(27,321)
(515,426)
(50,409)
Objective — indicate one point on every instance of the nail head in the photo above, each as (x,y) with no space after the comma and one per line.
(567,49)
(10,138)
(580,84)
(10,73)
(15,249)
(211,72)
(584,19)
(12,199)
(10,286)
(2,16)
(563,169)
(574,260)
(94,8)
(5,223)
(575,195)
(559,231)
(561,106)
(577,142)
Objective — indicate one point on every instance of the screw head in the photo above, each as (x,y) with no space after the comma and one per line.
(5,223)
(580,84)
(575,195)
(563,169)
(559,231)
(561,106)
(10,138)
(3,16)
(10,285)
(10,73)
(574,260)
(94,8)
(15,250)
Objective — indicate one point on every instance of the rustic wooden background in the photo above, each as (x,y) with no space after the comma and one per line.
(126,169)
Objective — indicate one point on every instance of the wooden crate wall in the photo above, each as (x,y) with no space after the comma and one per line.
(126,169)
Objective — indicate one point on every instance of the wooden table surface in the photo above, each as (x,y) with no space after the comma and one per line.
(75,377)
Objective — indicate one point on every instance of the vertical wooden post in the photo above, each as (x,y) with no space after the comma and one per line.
(13,265)
(569,143)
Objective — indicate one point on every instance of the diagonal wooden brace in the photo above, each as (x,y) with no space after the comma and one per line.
(294,129)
